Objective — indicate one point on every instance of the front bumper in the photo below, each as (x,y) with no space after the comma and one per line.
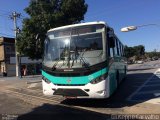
(99,90)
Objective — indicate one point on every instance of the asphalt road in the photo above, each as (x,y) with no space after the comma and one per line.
(139,93)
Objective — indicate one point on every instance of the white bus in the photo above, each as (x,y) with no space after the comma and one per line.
(83,60)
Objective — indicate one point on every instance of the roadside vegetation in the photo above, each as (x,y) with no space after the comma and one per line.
(137,54)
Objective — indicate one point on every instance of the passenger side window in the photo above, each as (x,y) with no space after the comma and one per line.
(115,48)
(112,46)
(117,44)
(120,52)
(111,42)
(111,52)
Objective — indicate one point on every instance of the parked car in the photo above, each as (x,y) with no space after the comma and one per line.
(154,58)
(140,62)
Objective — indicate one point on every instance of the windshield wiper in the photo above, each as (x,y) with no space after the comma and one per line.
(77,54)
(54,66)
(84,61)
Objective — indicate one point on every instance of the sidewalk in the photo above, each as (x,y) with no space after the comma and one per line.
(26,82)
(30,77)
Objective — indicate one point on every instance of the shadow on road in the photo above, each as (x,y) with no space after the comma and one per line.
(57,112)
(119,98)
(140,69)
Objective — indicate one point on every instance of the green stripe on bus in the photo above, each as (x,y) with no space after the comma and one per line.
(74,80)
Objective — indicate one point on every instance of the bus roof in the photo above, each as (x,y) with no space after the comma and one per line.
(76,25)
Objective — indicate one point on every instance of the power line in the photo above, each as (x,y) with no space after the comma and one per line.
(4,15)
(3,34)
(5,11)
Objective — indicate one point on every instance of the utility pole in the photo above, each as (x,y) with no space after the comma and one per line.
(14,17)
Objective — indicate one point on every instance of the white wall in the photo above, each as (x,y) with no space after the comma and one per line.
(24,60)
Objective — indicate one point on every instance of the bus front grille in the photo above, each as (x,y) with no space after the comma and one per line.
(70,92)
(69,84)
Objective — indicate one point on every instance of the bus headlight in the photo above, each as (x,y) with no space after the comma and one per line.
(46,80)
(99,79)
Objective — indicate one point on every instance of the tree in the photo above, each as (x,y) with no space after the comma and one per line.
(129,51)
(153,54)
(137,51)
(44,15)
(140,50)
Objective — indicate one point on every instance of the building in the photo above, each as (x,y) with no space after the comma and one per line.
(7,59)
(7,50)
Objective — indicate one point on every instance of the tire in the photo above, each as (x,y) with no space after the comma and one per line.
(125,72)
(117,78)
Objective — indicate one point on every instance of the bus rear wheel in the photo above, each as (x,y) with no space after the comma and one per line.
(117,78)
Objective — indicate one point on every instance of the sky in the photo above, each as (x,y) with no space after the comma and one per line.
(116,13)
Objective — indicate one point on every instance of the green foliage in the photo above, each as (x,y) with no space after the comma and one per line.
(134,51)
(153,54)
(44,15)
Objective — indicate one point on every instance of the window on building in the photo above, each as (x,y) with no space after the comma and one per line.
(8,49)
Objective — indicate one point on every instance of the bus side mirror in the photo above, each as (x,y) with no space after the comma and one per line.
(112,42)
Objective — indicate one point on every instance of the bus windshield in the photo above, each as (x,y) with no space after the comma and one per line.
(74,47)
